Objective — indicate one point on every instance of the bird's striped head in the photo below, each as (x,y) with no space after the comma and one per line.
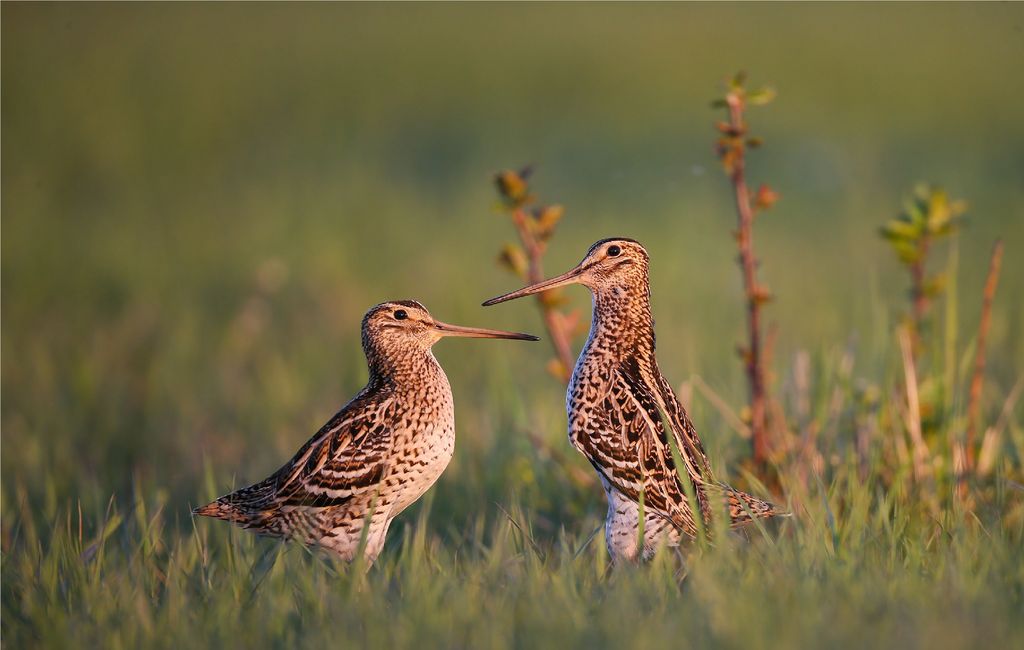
(403,325)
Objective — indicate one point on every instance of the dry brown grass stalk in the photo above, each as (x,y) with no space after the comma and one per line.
(921,455)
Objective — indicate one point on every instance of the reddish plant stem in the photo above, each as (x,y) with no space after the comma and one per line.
(554,321)
(974,401)
(748,265)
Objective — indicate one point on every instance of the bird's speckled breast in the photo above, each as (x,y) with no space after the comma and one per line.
(588,384)
(424,441)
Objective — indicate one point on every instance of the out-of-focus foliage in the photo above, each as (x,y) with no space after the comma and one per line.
(926,217)
(735,138)
(534,225)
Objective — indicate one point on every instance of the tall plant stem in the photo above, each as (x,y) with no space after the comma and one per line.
(974,400)
(754,293)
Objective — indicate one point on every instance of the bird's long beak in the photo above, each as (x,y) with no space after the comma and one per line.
(572,277)
(445,329)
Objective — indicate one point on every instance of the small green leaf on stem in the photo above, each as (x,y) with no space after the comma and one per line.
(552,298)
(545,218)
(906,251)
(761,96)
(898,229)
(927,215)
(512,187)
(514,259)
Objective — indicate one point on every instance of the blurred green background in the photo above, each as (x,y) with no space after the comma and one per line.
(200,201)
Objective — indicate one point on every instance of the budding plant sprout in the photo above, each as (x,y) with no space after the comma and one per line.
(535,224)
(732,145)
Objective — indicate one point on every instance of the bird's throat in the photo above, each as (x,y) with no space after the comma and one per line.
(622,320)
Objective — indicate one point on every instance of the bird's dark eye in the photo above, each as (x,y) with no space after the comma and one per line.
(613,251)
(401,314)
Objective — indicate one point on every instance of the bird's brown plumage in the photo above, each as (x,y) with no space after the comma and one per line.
(376,456)
(625,418)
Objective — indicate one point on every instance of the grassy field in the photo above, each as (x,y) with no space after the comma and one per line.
(200,201)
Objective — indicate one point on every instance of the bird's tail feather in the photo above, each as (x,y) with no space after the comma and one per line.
(744,508)
(222,508)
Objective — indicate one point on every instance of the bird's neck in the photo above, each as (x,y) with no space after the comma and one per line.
(622,322)
(404,368)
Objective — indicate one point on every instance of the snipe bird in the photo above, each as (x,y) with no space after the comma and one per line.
(380,453)
(621,410)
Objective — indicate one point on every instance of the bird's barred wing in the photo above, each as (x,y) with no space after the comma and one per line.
(740,507)
(348,457)
(685,433)
(660,415)
(623,436)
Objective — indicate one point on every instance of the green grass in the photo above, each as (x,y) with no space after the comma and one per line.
(860,567)
(200,201)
